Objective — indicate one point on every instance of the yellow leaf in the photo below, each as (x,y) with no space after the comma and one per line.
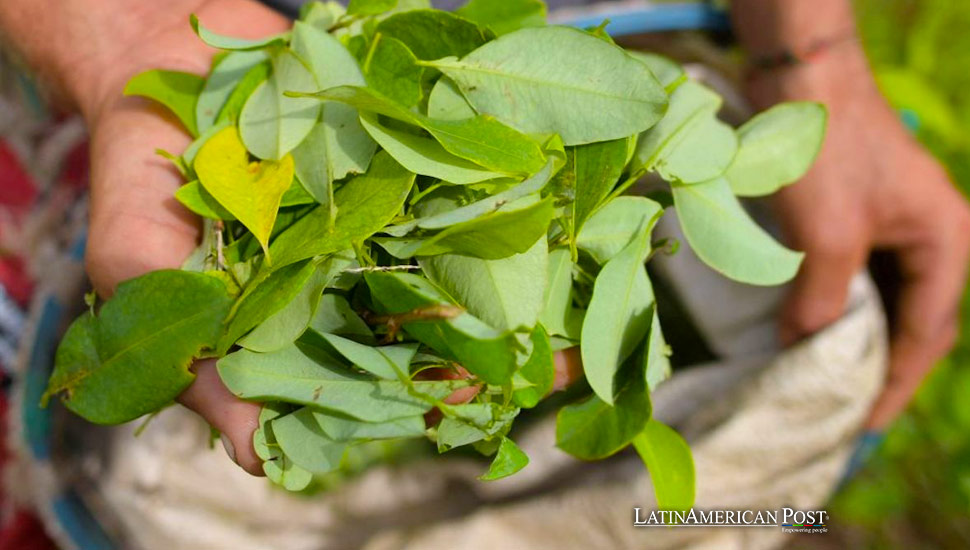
(250,190)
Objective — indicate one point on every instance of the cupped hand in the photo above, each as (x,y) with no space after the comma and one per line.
(872,187)
(136,225)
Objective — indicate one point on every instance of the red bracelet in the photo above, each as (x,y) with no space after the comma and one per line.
(791,58)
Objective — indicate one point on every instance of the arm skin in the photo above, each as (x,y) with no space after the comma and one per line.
(873,187)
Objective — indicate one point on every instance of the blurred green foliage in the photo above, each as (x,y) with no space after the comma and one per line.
(915,491)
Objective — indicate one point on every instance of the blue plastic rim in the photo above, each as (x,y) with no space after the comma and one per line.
(68,509)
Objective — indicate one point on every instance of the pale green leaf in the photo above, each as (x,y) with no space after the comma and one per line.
(558,297)
(221,83)
(539,370)
(307,376)
(689,144)
(446,102)
(559,80)
(777,147)
(303,442)
(671,466)
(616,224)
(271,124)
(505,293)
(723,235)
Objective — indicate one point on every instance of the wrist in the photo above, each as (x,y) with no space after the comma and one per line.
(838,72)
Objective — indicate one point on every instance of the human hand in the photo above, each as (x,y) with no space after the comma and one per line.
(872,187)
(136,225)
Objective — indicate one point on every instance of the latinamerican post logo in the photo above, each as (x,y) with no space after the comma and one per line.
(788,520)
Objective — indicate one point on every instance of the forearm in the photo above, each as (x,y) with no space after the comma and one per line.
(84,50)
(766,27)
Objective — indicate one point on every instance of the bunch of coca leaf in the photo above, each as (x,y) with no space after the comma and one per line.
(388,189)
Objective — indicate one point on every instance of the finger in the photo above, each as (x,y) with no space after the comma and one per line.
(934,270)
(236,419)
(835,250)
(569,368)
(136,225)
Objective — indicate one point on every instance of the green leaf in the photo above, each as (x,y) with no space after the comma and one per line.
(723,235)
(616,224)
(365,204)
(175,90)
(370,7)
(225,78)
(133,357)
(434,321)
(473,422)
(194,197)
(230,43)
(668,72)
(511,229)
(321,15)
(271,124)
(593,430)
(446,102)
(539,370)
(508,461)
(689,144)
(505,293)
(559,80)
(425,156)
(671,466)
(337,145)
(479,208)
(505,16)
(307,376)
(777,147)
(432,34)
(286,325)
(263,298)
(482,139)
(393,71)
(618,317)
(597,167)
(277,466)
(240,94)
(656,356)
(347,429)
(387,362)
(251,191)
(303,442)
(558,297)
(335,316)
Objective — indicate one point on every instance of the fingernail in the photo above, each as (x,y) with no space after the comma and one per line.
(227,444)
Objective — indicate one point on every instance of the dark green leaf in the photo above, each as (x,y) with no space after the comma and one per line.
(509,460)
(432,320)
(433,34)
(539,370)
(392,70)
(365,204)
(133,357)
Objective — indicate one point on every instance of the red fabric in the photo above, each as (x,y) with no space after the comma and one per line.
(17,189)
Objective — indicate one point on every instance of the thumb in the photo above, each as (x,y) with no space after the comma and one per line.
(236,419)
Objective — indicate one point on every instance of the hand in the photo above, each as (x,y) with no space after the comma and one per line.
(136,225)
(872,187)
